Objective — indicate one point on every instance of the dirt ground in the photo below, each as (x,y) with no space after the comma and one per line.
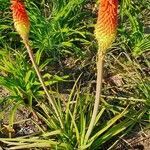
(137,140)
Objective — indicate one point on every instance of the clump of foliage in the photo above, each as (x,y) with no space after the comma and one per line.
(62,30)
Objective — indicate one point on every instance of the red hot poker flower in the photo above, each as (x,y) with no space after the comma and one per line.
(20,18)
(105,32)
(22,25)
(106,27)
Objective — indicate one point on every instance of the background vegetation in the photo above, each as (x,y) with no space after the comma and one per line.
(65,49)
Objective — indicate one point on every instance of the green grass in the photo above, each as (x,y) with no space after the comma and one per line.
(64,46)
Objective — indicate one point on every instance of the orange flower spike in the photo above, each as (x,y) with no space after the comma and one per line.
(105,33)
(20,18)
(106,26)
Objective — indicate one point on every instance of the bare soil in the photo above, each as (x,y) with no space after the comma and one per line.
(137,140)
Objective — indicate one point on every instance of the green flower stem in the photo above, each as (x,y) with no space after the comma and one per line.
(100,62)
(41,80)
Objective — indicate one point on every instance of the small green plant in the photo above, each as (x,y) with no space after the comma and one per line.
(133,27)
(63,21)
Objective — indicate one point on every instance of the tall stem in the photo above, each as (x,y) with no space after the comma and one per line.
(41,80)
(100,62)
